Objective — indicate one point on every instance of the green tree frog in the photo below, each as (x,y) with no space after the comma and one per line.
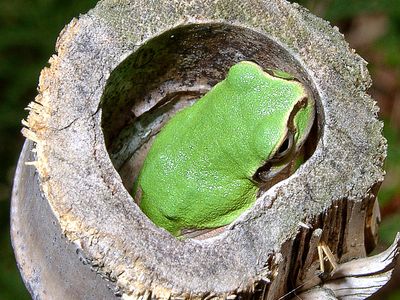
(207,163)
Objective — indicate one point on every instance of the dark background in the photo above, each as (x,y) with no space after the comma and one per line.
(28,31)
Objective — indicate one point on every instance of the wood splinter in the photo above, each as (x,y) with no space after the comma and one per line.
(324,249)
(356,279)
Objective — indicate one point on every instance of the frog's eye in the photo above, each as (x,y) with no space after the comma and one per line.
(286,146)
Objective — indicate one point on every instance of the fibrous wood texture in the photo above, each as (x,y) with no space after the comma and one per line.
(124,68)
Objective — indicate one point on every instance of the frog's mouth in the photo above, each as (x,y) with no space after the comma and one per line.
(268,175)
(273,172)
(281,159)
(268,172)
(282,163)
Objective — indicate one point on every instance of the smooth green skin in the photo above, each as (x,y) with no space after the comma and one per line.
(199,171)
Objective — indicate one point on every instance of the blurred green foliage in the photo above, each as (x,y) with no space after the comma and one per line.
(388,229)
(394,296)
(28,31)
(391,189)
(390,42)
(337,11)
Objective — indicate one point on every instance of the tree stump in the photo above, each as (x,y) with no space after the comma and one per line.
(121,71)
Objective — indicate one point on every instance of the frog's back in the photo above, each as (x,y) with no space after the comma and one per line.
(198,173)
(193,173)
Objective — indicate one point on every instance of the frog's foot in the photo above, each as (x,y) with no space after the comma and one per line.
(201,234)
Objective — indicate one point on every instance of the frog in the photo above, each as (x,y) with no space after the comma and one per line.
(206,165)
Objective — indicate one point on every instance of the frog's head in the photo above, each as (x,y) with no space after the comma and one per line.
(287,148)
(282,127)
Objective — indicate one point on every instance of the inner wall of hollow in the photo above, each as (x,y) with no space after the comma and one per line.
(170,72)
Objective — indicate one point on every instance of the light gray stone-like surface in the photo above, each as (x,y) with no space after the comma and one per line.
(97,213)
